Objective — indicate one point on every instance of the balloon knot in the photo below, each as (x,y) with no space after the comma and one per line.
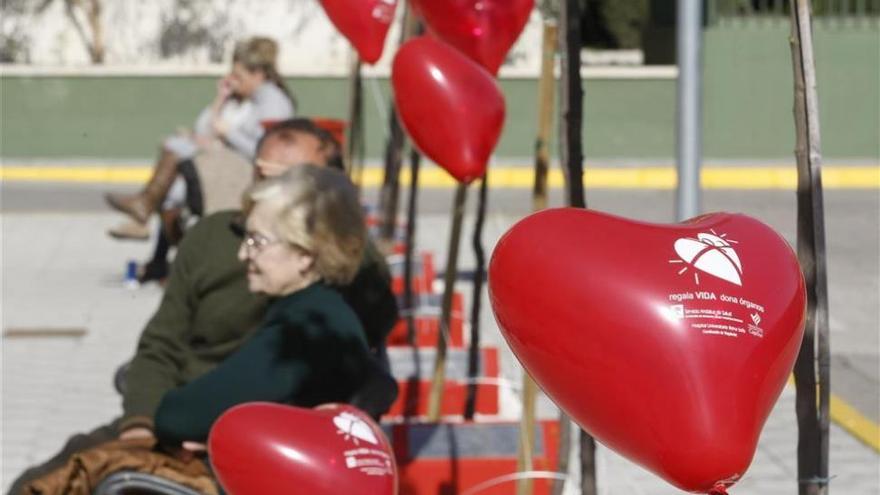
(718,489)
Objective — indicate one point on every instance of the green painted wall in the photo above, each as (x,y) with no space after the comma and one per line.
(748,101)
(748,91)
(125,117)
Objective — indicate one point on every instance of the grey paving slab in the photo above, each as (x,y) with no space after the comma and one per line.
(854,468)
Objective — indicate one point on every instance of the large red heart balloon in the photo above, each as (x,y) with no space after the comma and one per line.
(483,29)
(364,22)
(261,448)
(450,106)
(668,343)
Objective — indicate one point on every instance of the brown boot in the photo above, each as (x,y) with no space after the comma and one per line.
(130,231)
(140,206)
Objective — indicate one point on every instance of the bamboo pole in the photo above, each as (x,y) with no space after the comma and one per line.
(545,115)
(814,357)
(551,11)
(539,202)
(435,399)
(524,461)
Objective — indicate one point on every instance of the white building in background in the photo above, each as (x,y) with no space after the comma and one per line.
(196,35)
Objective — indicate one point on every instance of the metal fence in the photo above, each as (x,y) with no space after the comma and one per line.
(845,12)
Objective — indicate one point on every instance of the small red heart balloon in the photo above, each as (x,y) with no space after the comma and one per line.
(450,106)
(483,29)
(262,448)
(364,22)
(668,343)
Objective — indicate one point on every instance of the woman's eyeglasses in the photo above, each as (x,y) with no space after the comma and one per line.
(255,242)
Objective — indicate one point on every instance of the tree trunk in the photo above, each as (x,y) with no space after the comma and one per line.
(814,357)
(470,403)
(572,161)
(389,195)
(588,464)
(572,104)
(411,213)
(97,47)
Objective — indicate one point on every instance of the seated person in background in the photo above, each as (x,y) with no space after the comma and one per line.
(304,231)
(207,312)
(253,93)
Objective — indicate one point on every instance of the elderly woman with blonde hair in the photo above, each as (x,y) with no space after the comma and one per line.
(304,231)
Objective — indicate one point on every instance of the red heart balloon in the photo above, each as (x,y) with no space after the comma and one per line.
(450,106)
(483,29)
(262,448)
(668,343)
(364,22)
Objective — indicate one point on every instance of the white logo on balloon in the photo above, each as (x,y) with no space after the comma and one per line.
(709,253)
(353,427)
(384,11)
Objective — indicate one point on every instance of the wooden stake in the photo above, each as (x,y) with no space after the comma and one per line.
(526,434)
(435,399)
(814,358)
(539,202)
(546,88)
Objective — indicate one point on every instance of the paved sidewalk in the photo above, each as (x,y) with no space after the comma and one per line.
(60,272)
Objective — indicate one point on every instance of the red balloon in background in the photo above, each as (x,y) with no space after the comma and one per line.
(364,22)
(483,29)
(261,448)
(451,107)
(668,343)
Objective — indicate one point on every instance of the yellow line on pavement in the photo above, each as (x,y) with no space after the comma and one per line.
(80,174)
(850,419)
(661,177)
(855,423)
